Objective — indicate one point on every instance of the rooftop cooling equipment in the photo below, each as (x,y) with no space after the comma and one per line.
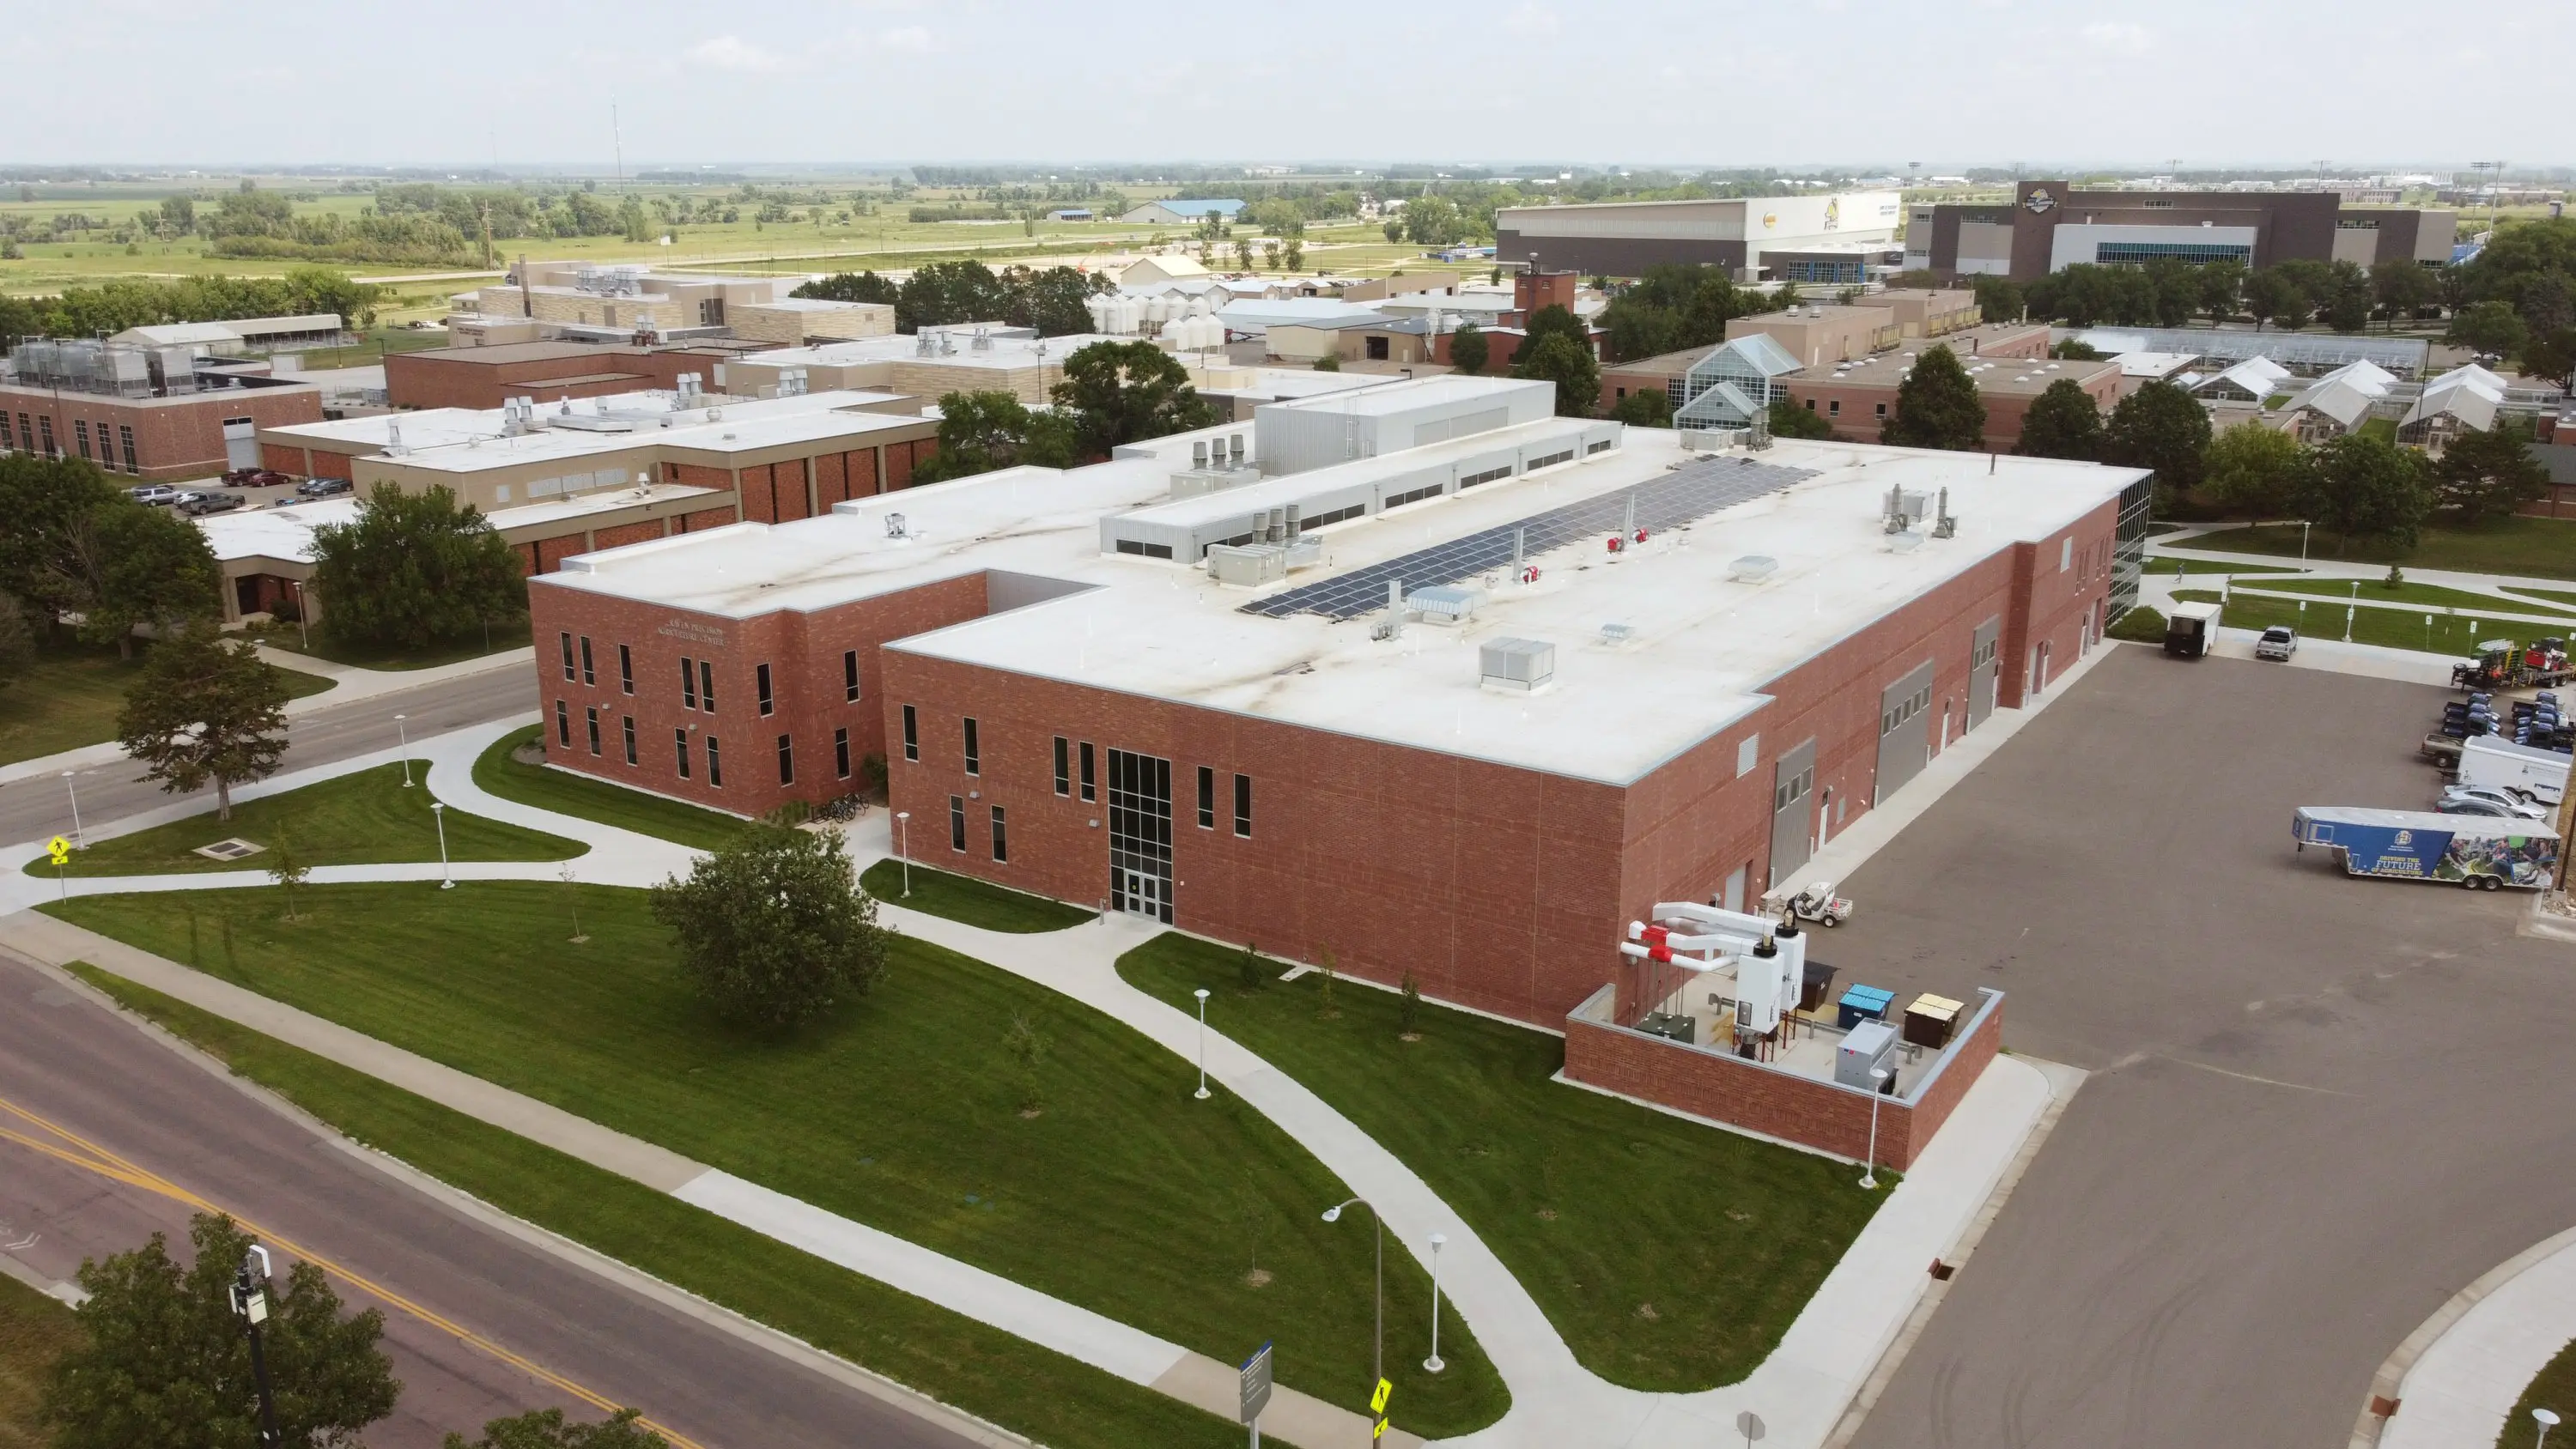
(1752,568)
(894,525)
(1444,604)
(1520,666)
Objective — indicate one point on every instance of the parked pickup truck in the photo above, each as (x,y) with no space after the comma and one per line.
(2278,642)
(2468,850)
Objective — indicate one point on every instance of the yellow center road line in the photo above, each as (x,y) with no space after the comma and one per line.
(92,1157)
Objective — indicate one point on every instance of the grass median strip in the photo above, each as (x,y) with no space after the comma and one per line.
(362,818)
(1670,1255)
(964,898)
(989,1373)
(500,773)
(2373,590)
(2453,634)
(1094,1177)
(2535,547)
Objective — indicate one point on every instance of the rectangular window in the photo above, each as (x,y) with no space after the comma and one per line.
(680,742)
(588,675)
(563,724)
(841,753)
(625,670)
(911,734)
(630,739)
(761,677)
(1063,765)
(1207,798)
(715,764)
(46,427)
(957,823)
(1834,408)
(569,675)
(125,441)
(80,430)
(1001,840)
(707,685)
(850,675)
(1243,806)
(688,682)
(1090,790)
(974,750)
(594,729)
(8,436)
(786,760)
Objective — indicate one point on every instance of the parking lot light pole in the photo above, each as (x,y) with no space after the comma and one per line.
(404,735)
(74,791)
(1433,1363)
(1202,1092)
(1869,1169)
(902,840)
(446,876)
(1333,1214)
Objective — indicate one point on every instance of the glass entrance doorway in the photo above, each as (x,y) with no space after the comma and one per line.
(1144,894)
(1140,835)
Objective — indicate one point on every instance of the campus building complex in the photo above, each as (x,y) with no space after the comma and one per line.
(1838,239)
(2049,226)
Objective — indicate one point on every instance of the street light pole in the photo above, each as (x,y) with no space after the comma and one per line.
(1377,1360)
(1433,1363)
(2304,526)
(1202,995)
(446,876)
(250,1303)
(2547,1420)
(1869,1169)
(74,791)
(303,632)
(404,735)
(902,847)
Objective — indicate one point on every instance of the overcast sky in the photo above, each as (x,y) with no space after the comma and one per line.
(1869,83)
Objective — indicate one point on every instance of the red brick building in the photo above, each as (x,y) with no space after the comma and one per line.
(161,439)
(487,377)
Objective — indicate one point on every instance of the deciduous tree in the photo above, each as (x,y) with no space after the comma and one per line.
(547,1429)
(1647,407)
(2361,486)
(2253,468)
(982,431)
(2402,287)
(1559,359)
(2487,470)
(204,709)
(414,568)
(1126,392)
(1468,348)
(773,927)
(1937,406)
(2489,327)
(142,567)
(2160,427)
(17,641)
(48,503)
(1788,420)
(2063,422)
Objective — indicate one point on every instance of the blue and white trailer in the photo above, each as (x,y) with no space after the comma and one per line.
(2479,852)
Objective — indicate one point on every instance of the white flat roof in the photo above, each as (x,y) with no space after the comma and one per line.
(1698,652)
(286,532)
(470,440)
(1410,396)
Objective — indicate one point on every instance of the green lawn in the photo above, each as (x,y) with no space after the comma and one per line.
(361,654)
(964,898)
(70,697)
(34,1331)
(570,794)
(2554,595)
(903,1111)
(2433,594)
(955,1359)
(2554,1389)
(2390,628)
(2543,548)
(2168,564)
(366,818)
(1670,1255)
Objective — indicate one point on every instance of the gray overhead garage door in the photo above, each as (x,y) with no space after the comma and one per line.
(1904,730)
(1982,664)
(1793,805)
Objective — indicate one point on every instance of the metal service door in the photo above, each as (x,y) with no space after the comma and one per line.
(241,443)
(1904,730)
(1793,809)
(1982,666)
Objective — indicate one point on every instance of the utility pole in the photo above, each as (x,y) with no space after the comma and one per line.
(250,1301)
(617,139)
(487,236)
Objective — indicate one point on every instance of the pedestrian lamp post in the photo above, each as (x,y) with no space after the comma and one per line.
(2547,1420)
(1202,1092)
(74,791)
(2351,609)
(1333,1214)
(446,876)
(250,1304)
(1433,1363)
(2303,541)
(404,735)
(902,851)
(1869,1169)
(303,632)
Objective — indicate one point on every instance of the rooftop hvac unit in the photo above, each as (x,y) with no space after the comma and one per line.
(1752,568)
(1443,604)
(1248,566)
(1522,666)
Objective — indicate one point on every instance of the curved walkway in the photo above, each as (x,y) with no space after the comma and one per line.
(2486,1344)
(1800,1391)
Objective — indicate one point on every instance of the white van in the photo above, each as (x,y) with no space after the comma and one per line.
(2503,765)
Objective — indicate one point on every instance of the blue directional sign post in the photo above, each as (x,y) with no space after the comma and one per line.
(1256,1391)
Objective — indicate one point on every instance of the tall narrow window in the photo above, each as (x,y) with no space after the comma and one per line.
(715,764)
(786,760)
(841,753)
(80,430)
(625,670)
(957,823)
(563,724)
(125,440)
(1090,788)
(761,676)
(566,640)
(707,685)
(8,435)
(688,682)
(1207,798)
(850,675)
(680,743)
(1001,840)
(1243,806)
(45,426)
(588,676)
(593,715)
(630,739)
(911,734)
(1063,765)
(974,751)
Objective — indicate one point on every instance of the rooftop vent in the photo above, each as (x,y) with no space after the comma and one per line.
(1752,568)
(1444,604)
(1522,666)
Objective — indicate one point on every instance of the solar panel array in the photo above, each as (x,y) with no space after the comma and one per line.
(1686,495)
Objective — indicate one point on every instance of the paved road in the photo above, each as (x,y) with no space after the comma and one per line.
(2320,1105)
(35,809)
(93,1072)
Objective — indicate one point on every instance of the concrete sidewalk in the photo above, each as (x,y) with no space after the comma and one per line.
(2485,1346)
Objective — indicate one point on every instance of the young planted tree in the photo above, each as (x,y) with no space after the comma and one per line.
(167,1363)
(286,868)
(204,709)
(1469,348)
(2160,427)
(1028,1048)
(2487,470)
(2063,422)
(1126,392)
(1408,1009)
(773,927)
(1937,406)
(1569,364)
(414,568)
(547,1429)
(2253,469)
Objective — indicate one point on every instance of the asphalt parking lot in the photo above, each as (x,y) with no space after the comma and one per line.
(2319,1105)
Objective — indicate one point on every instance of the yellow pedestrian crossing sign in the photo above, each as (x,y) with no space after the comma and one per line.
(60,849)
(1377,1406)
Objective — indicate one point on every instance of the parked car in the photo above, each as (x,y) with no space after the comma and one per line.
(153,495)
(2473,805)
(322,487)
(240,477)
(2278,642)
(199,504)
(2496,795)
(265,478)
